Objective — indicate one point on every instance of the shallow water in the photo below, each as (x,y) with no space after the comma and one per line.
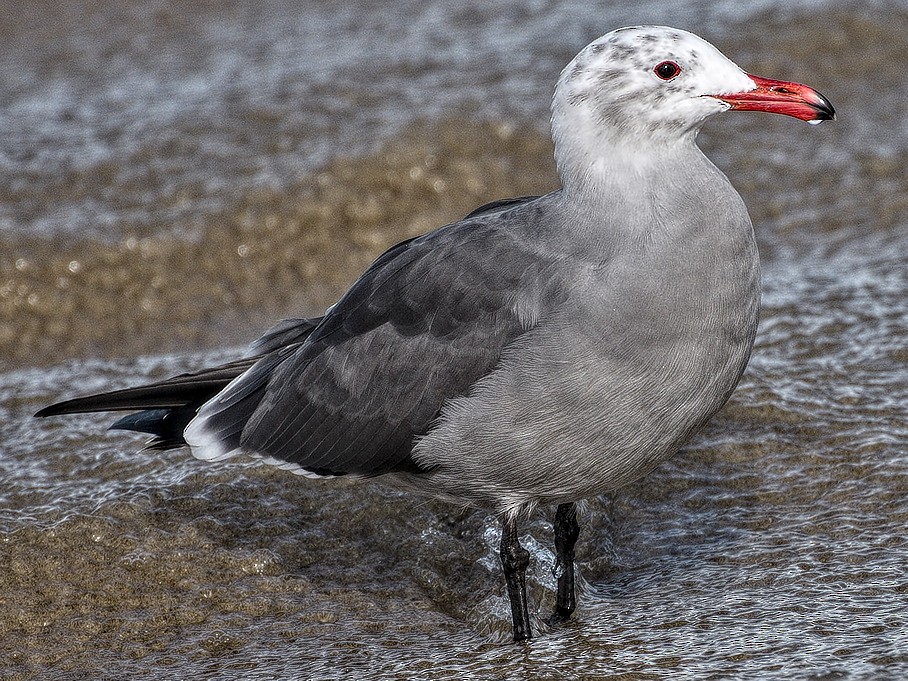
(174,179)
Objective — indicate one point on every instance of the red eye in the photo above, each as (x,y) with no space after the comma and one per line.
(667,70)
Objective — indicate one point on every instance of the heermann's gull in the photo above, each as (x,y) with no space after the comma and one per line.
(539,351)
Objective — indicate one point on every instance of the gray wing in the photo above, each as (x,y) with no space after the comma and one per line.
(425,322)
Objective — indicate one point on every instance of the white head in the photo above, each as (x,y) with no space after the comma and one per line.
(652,86)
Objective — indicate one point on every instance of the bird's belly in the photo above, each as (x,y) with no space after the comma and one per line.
(568,415)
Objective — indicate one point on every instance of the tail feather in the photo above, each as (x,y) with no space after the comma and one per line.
(166,407)
(166,425)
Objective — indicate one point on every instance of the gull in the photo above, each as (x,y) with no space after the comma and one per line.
(538,352)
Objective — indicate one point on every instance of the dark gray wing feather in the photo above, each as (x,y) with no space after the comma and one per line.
(285,332)
(169,405)
(425,322)
(499,204)
(172,392)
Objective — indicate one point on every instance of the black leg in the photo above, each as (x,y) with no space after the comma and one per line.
(566,532)
(514,560)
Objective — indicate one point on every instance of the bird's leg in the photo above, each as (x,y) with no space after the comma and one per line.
(566,532)
(514,561)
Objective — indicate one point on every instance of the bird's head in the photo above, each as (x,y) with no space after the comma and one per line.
(648,85)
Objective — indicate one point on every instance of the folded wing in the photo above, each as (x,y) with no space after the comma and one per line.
(423,324)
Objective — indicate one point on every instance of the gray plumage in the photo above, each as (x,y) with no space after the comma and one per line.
(542,349)
(538,351)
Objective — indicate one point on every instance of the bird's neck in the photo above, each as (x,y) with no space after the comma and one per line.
(661,189)
(619,170)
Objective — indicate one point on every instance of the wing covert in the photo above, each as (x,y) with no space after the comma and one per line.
(424,322)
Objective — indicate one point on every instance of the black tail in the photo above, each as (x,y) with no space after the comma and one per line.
(166,407)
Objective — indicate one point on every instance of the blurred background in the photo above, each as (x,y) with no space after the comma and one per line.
(174,177)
